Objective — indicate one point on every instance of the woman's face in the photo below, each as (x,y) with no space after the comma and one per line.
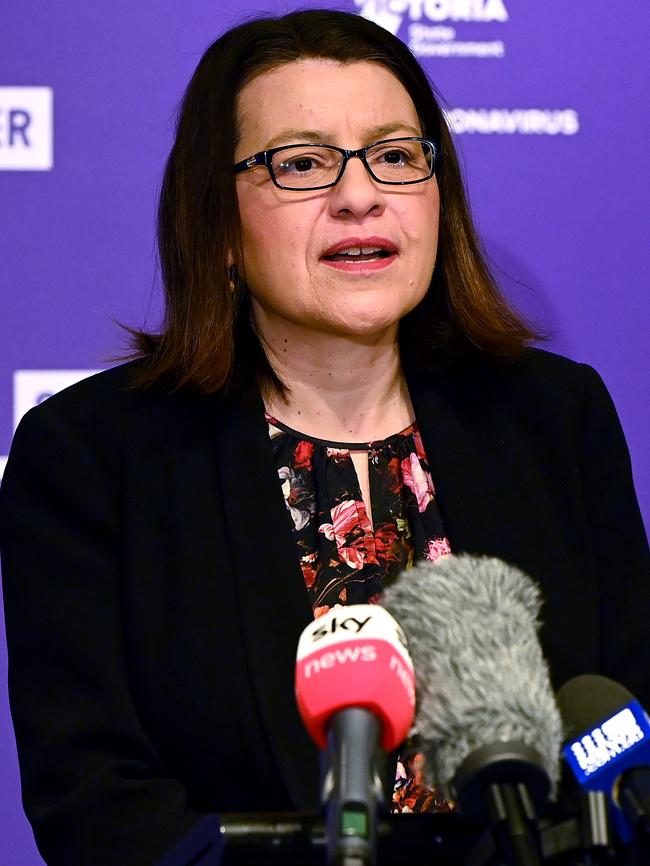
(288,236)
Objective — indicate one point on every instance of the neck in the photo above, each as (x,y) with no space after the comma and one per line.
(343,388)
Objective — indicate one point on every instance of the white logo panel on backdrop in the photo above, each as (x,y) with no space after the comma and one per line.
(433,28)
(514,121)
(430,33)
(31,387)
(26,128)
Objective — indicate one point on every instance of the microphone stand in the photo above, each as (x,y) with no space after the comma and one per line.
(513,818)
(352,791)
(450,839)
(584,835)
(503,782)
(633,796)
(286,839)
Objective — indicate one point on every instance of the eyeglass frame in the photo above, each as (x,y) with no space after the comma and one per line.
(265,157)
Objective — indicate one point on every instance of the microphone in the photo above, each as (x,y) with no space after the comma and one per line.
(607,746)
(486,712)
(355,690)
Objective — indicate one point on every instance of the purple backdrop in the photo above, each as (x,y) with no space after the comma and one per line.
(549,100)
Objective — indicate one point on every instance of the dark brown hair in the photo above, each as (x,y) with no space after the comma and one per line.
(207,340)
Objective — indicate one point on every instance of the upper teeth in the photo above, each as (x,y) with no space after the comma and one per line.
(357,251)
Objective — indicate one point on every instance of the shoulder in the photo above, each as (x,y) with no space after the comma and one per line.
(104,422)
(557,373)
(539,396)
(537,381)
(559,386)
(534,367)
(111,391)
(109,404)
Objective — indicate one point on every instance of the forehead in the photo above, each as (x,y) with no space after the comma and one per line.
(344,102)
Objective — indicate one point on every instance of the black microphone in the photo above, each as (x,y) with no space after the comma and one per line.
(607,745)
(486,712)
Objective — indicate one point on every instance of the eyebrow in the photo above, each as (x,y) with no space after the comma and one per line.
(317,136)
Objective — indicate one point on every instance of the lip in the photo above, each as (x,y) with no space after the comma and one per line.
(352,265)
(348,243)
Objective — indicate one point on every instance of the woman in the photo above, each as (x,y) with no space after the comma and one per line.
(333,347)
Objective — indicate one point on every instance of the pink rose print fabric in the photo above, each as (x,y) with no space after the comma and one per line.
(344,558)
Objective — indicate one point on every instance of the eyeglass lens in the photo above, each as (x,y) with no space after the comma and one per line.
(396,161)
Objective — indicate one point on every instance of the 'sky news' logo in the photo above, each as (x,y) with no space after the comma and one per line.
(26,128)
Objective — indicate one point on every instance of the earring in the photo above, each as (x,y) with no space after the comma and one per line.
(232,278)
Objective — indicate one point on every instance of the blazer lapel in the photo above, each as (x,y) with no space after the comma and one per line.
(274,606)
(462,489)
(492,491)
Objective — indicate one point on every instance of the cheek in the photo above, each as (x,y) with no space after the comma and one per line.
(255,234)
(273,240)
(424,225)
(431,207)
(418,211)
(275,248)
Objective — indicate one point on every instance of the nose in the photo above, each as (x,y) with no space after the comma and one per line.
(356,194)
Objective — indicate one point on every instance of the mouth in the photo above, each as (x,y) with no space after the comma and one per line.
(360,254)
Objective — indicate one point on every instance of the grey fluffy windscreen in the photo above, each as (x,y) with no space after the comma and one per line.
(472,625)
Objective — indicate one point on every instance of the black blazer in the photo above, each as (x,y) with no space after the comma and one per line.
(154,599)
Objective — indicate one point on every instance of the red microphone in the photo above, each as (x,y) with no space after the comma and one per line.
(355,689)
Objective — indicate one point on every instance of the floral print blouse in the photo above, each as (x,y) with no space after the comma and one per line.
(347,560)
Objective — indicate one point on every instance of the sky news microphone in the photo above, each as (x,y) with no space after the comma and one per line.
(355,690)
(607,746)
(490,727)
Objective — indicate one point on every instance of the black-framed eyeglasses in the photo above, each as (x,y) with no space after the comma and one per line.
(318,166)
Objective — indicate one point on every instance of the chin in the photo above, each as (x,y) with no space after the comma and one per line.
(371,319)
(365,326)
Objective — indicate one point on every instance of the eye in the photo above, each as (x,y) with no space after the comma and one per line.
(395,157)
(392,155)
(303,162)
(299,164)
(402,159)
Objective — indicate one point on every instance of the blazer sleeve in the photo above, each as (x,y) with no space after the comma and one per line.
(619,542)
(93,786)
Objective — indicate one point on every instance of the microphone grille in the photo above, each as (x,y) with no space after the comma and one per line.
(586,700)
